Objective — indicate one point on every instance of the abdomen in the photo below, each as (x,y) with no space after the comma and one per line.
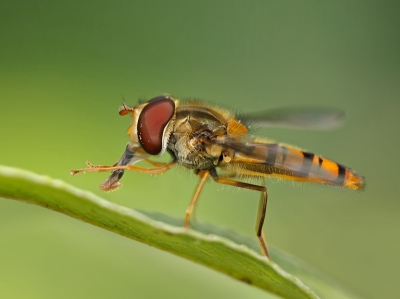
(281,161)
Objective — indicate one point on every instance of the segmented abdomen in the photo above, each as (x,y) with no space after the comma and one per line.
(289,163)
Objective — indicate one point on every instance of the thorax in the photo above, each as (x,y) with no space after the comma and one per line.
(194,126)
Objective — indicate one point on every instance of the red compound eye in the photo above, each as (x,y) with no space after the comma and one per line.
(152,121)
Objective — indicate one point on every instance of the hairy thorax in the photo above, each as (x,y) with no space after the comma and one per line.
(188,142)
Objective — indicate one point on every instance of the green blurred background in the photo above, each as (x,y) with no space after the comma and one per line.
(65,69)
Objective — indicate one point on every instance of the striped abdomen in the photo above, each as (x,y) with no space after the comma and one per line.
(289,163)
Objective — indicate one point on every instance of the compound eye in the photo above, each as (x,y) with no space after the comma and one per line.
(152,122)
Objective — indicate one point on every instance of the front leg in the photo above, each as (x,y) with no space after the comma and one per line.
(118,169)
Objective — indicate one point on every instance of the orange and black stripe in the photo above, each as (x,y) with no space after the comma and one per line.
(290,163)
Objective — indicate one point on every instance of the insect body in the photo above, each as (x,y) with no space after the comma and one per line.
(216,143)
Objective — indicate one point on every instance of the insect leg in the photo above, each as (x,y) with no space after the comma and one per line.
(102,168)
(204,176)
(156,164)
(262,208)
(123,164)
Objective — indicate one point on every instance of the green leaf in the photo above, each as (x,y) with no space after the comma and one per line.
(206,245)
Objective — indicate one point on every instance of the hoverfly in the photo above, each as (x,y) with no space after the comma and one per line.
(206,139)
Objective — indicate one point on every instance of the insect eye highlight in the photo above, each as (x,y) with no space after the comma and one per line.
(152,122)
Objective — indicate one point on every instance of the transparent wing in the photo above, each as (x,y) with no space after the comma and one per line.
(297,118)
